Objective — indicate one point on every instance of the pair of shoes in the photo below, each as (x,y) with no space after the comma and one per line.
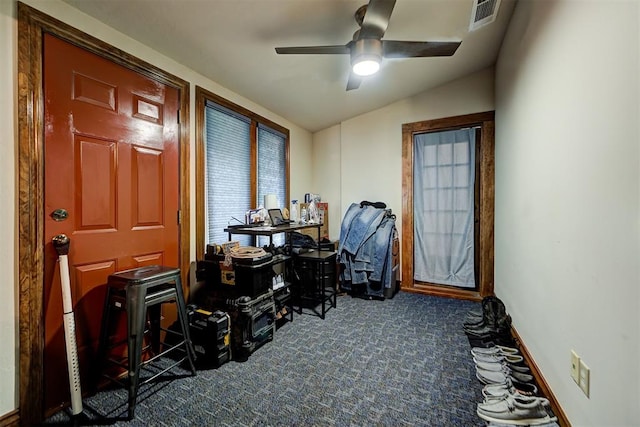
(510,387)
(476,317)
(491,341)
(503,396)
(495,350)
(473,317)
(502,376)
(494,315)
(500,365)
(503,325)
(498,358)
(517,410)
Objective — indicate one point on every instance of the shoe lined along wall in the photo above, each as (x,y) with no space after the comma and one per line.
(511,396)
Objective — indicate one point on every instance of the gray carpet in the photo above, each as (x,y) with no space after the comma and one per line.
(400,362)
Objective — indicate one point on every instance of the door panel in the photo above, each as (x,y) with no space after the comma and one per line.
(111,160)
(95,178)
(89,289)
(149,259)
(147,171)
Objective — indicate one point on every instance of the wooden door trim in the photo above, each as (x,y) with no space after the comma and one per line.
(32,24)
(486,202)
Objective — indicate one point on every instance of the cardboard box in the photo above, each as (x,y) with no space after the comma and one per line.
(323,215)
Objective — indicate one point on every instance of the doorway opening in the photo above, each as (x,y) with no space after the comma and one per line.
(432,201)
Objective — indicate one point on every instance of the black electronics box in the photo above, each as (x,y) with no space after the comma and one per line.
(210,335)
(236,279)
(252,324)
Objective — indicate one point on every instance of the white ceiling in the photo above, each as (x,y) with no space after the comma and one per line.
(232,42)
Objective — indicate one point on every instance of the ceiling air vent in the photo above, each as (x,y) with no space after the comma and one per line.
(484,12)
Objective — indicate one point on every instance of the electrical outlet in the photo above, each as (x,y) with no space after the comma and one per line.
(575,367)
(585,374)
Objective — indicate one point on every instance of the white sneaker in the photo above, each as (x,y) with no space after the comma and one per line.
(509,358)
(495,350)
(511,387)
(498,366)
(516,409)
(502,376)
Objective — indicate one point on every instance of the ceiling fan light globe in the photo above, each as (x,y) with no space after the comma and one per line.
(366,67)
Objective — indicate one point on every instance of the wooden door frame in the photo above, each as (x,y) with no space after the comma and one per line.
(32,24)
(486,121)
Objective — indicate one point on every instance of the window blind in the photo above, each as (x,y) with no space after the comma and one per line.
(271,165)
(228,188)
(227,171)
(271,170)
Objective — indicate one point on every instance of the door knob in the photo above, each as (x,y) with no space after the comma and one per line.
(59,214)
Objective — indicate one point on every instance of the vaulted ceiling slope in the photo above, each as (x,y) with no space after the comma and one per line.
(232,42)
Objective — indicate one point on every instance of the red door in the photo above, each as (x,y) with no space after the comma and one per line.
(111,162)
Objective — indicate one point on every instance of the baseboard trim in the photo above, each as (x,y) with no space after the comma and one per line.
(10,418)
(442,291)
(543,386)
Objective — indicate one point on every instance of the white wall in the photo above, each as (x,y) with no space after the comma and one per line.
(364,154)
(567,198)
(300,152)
(8,225)
(326,174)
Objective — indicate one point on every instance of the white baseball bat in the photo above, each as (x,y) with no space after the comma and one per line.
(61,244)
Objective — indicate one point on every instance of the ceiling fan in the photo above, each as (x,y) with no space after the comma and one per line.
(367,47)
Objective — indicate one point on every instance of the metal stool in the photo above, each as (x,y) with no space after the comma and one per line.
(139,292)
(315,280)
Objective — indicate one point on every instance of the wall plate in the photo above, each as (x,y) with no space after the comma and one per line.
(575,367)
(585,374)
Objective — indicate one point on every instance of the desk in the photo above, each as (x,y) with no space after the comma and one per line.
(269,230)
(319,266)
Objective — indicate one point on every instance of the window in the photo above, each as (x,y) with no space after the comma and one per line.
(240,158)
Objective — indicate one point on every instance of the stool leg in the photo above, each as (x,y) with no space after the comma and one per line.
(322,288)
(104,337)
(184,324)
(155,314)
(136,319)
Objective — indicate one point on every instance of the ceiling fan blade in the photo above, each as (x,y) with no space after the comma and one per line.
(376,19)
(354,81)
(407,49)
(314,50)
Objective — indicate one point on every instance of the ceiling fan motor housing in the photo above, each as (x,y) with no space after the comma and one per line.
(366,50)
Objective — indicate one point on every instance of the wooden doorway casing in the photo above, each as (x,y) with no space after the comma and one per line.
(32,25)
(485,215)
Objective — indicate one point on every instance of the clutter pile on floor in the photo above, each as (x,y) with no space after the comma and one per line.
(510,394)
